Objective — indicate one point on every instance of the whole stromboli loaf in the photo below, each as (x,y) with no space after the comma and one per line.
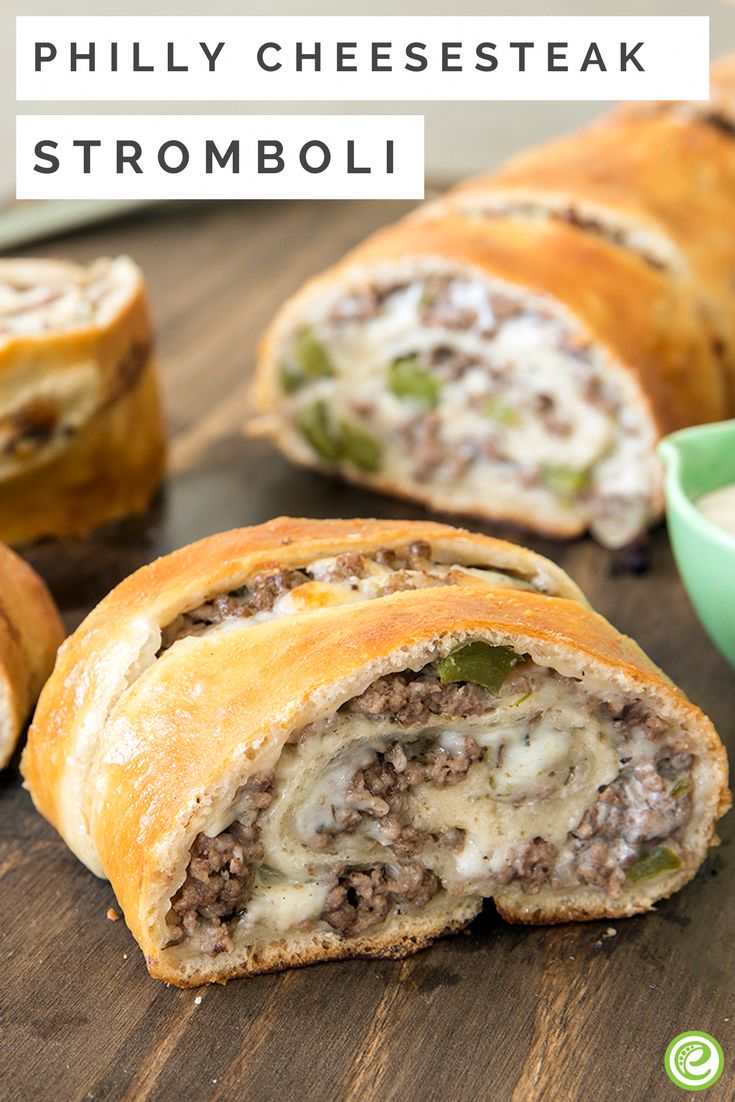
(81,435)
(515,349)
(323,739)
(30,634)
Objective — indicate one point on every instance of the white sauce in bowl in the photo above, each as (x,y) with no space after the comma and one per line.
(719,507)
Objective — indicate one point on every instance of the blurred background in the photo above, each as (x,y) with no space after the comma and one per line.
(460,137)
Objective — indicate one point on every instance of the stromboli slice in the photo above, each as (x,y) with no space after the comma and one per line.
(511,369)
(30,634)
(353,780)
(81,435)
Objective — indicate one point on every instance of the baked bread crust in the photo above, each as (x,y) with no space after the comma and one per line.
(30,633)
(130,756)
(678,201)
(113,462)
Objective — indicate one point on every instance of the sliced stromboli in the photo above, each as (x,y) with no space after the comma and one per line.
(355,779)
(509,368)
(30,634)
(81,436)
(658,184)
(243,577)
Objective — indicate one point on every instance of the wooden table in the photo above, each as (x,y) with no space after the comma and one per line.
(573,1012)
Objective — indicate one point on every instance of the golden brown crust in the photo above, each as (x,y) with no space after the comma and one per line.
(30,634)
(661,174)
(682,189)
(182,733)
(112,465)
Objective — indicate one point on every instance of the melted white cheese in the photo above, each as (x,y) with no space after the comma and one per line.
(282,906)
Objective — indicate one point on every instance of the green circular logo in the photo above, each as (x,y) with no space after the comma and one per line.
(694,1061)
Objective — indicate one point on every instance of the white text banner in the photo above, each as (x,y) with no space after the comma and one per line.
(328,58)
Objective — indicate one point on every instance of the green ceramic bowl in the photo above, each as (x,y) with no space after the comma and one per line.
(698,460)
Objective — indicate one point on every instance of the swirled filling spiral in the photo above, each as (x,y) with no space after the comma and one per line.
(480,772)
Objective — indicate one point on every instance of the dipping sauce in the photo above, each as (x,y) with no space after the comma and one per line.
(719,507)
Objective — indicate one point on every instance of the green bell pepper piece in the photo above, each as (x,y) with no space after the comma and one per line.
(498,410)
(565,481)
(654,863)
(292,377)
(681,787)
(407,379)
(315,426)
(480,663)
(360,447)
(308,361)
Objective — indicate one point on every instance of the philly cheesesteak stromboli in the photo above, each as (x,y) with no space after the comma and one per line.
(323,739)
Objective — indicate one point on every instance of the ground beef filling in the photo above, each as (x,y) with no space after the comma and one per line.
(220,875)
(647,803)
(361,900)
(405,568)
(378,793)
(440,295)
(530,864)
(411,698)
(259,596)
(506,414)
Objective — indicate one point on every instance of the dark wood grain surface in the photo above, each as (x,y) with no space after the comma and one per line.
(499,1013)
